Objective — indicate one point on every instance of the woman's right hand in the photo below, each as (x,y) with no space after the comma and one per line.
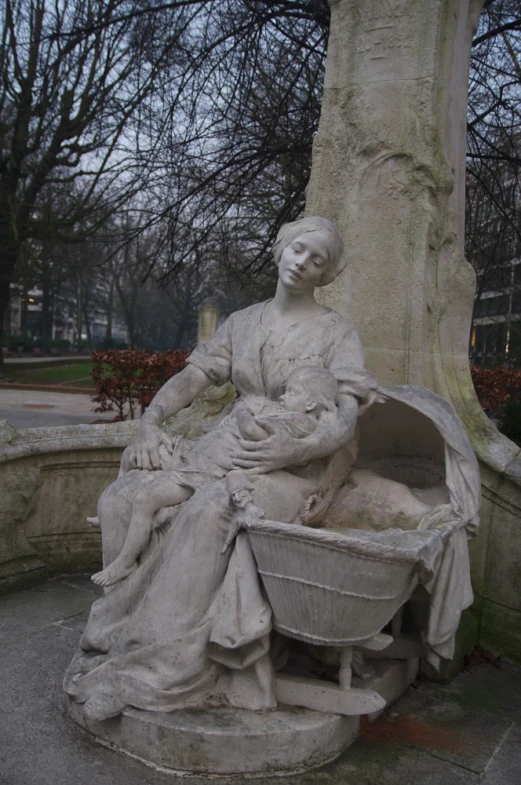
(144,452)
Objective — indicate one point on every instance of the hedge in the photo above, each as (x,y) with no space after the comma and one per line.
(126,380)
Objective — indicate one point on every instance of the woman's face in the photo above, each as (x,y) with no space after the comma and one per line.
(303,261)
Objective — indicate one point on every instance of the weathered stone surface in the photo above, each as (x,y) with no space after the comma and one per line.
(21,613)
(50,480)
(227,741)
(429,719)
(201,416)
(391,679)
(288,393)
(500,629)
(390,153)
(505,767)
(503,566)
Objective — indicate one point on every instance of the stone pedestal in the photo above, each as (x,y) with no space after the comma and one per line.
(226,741)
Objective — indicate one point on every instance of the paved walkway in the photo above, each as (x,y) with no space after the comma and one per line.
(36,409)
(465,733)
(61,360)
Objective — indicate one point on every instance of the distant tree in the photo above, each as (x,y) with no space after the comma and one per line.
(197,117)
(75,78)
(494,141)
(233,131)
(493,227)
(237,123)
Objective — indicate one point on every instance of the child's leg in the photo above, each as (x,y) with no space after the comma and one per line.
(163,491)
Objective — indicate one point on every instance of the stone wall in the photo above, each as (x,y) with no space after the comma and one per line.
(50,480)
(496,561)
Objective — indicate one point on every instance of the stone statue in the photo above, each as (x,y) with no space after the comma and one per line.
(188,615)
(311,392)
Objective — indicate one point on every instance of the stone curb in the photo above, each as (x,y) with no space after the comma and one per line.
(48,388)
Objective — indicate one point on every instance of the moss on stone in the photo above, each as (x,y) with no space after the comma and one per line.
(203,414)
(500,630)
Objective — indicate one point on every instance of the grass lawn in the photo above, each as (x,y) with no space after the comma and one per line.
(76,375)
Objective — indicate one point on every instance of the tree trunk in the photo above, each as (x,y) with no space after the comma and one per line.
(4,301)
(86,317)
(131,325)
(9,254)
(180,334)
(110,309)
(79,315)
(129,313)
(4,314)
(46,325)
(24,308)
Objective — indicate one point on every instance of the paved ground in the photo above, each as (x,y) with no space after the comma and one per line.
(466,733)
(30,360)
(35,409)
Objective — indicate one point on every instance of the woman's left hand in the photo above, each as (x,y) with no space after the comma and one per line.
(278,451)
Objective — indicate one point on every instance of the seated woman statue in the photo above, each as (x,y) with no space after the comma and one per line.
(311,394)
(170,631)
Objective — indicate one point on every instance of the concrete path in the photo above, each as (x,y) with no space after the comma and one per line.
(61,360)
(465,733)
(36,409)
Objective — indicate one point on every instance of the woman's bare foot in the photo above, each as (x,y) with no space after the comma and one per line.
(113,573)
(102,706)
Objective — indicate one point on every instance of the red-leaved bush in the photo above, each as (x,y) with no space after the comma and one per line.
(496,386)
(129,378)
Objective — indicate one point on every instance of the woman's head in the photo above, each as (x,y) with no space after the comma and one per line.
(325,234)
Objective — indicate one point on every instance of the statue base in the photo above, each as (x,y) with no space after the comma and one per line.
(226,741)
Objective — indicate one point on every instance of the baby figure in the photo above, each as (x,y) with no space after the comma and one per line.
(311,393)
(241,498)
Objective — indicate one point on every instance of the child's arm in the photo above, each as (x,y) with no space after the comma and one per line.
(296,424)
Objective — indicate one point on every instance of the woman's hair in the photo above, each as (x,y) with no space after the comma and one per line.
(336,260)
(318,383)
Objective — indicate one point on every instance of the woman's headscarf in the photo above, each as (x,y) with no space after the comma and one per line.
(335,245)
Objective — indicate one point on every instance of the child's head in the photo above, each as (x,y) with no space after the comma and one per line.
(310,388)
(239,488)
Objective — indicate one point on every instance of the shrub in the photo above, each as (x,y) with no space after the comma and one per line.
(131,377)
(111,343)
(13,340)
(495,387)
(61,343)
(499,393)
